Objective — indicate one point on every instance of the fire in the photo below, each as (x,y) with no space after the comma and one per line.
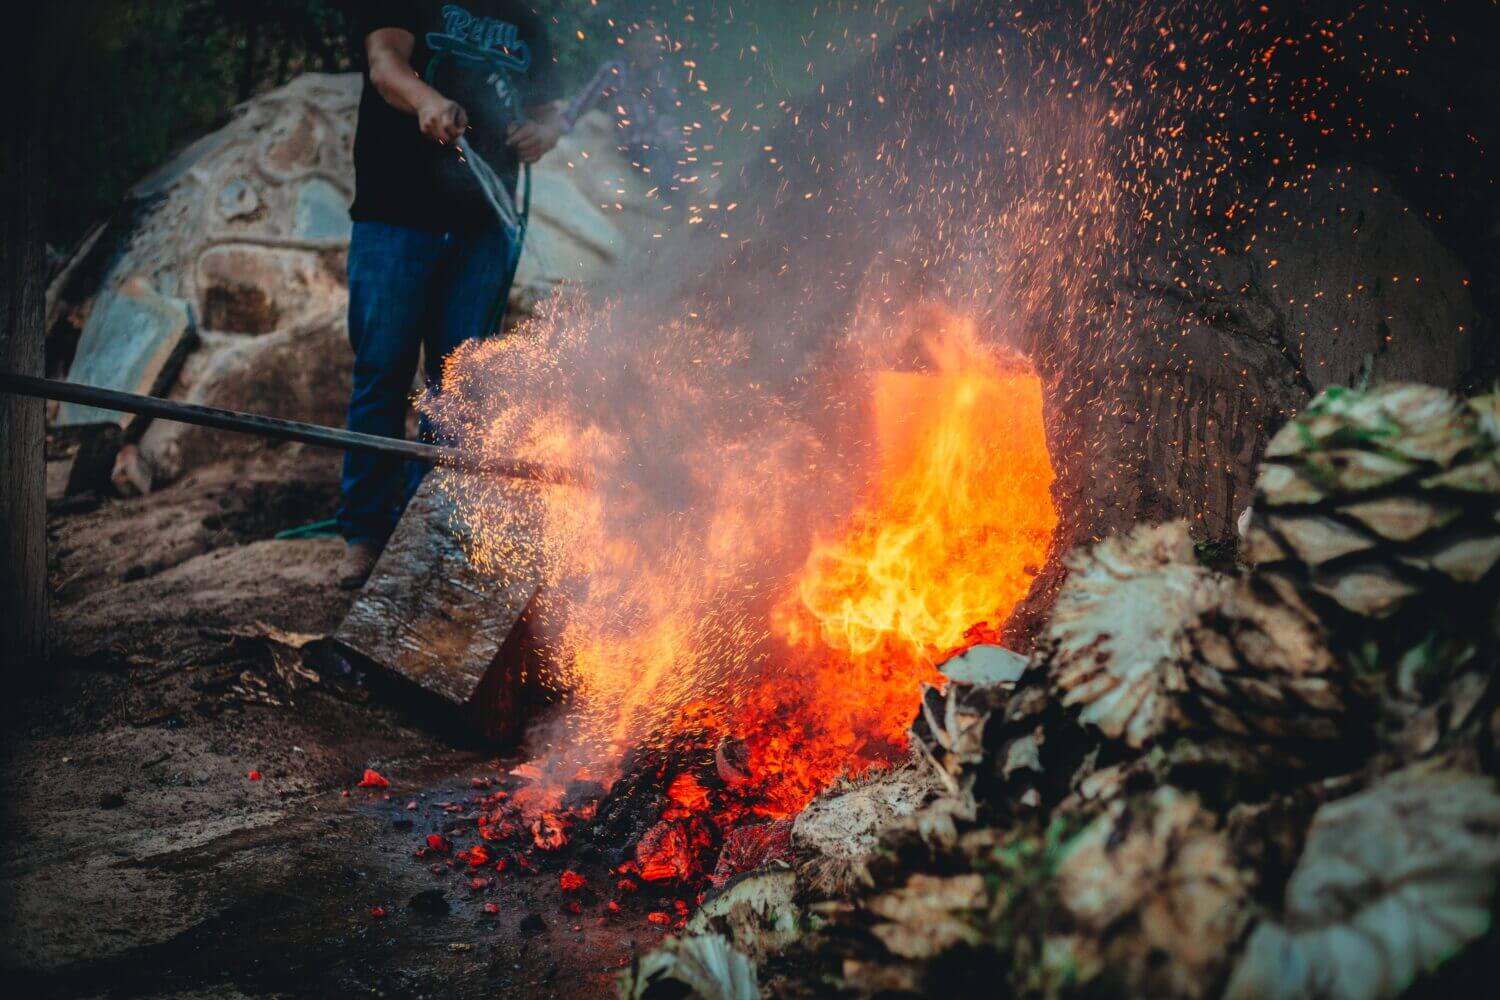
(961,518)
(764,624)
(956,525)
(796,515)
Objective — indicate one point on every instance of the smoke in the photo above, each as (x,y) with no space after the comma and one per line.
(717,390)
(1015,167)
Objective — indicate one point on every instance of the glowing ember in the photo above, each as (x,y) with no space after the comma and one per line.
(549,832)
(687,794)
(665,852)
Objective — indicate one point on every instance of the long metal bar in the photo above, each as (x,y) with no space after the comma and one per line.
(281,430)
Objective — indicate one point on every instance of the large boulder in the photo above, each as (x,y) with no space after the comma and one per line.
(245,232)
(250,224)
(1344,282)
(1362,284)
(301,373)
(224,282)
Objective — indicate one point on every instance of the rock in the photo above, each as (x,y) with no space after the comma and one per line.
(258,289)
(134,341)
(1363,284)
(302,373)
(131,475)
(246,230)
(238,200)
(272,180)
(322,211)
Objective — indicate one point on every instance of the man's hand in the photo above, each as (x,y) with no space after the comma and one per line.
(441,119)
(389,53)
(534,139)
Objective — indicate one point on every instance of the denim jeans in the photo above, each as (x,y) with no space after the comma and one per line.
(410,292)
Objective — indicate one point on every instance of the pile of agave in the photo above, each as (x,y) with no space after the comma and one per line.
(1271,782)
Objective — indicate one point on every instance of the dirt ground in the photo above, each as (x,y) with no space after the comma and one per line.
(141,859)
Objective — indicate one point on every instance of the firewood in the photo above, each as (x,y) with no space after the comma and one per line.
(431,624)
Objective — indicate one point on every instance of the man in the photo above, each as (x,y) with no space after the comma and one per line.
(429,259)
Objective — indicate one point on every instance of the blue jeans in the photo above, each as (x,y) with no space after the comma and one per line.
(410,291)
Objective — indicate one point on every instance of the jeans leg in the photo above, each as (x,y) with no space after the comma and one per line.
(391,305)
(473,305)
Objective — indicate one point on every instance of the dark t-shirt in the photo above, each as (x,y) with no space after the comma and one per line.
(492,57)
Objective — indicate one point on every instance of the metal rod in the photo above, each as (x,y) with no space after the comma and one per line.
(282,430)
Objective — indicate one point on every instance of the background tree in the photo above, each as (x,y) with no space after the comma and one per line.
(23,262)
(132,81)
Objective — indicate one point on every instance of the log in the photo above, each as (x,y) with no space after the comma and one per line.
(442,636)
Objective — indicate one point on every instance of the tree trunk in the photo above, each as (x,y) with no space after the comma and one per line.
(23,266)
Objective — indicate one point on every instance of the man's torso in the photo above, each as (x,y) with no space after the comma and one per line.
(490,56)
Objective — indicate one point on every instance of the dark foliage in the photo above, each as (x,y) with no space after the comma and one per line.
(129,82)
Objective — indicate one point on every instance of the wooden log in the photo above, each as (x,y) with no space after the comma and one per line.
(441,636)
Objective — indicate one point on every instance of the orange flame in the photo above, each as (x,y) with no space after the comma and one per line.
(962,516)
(731,620)
(957,525)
